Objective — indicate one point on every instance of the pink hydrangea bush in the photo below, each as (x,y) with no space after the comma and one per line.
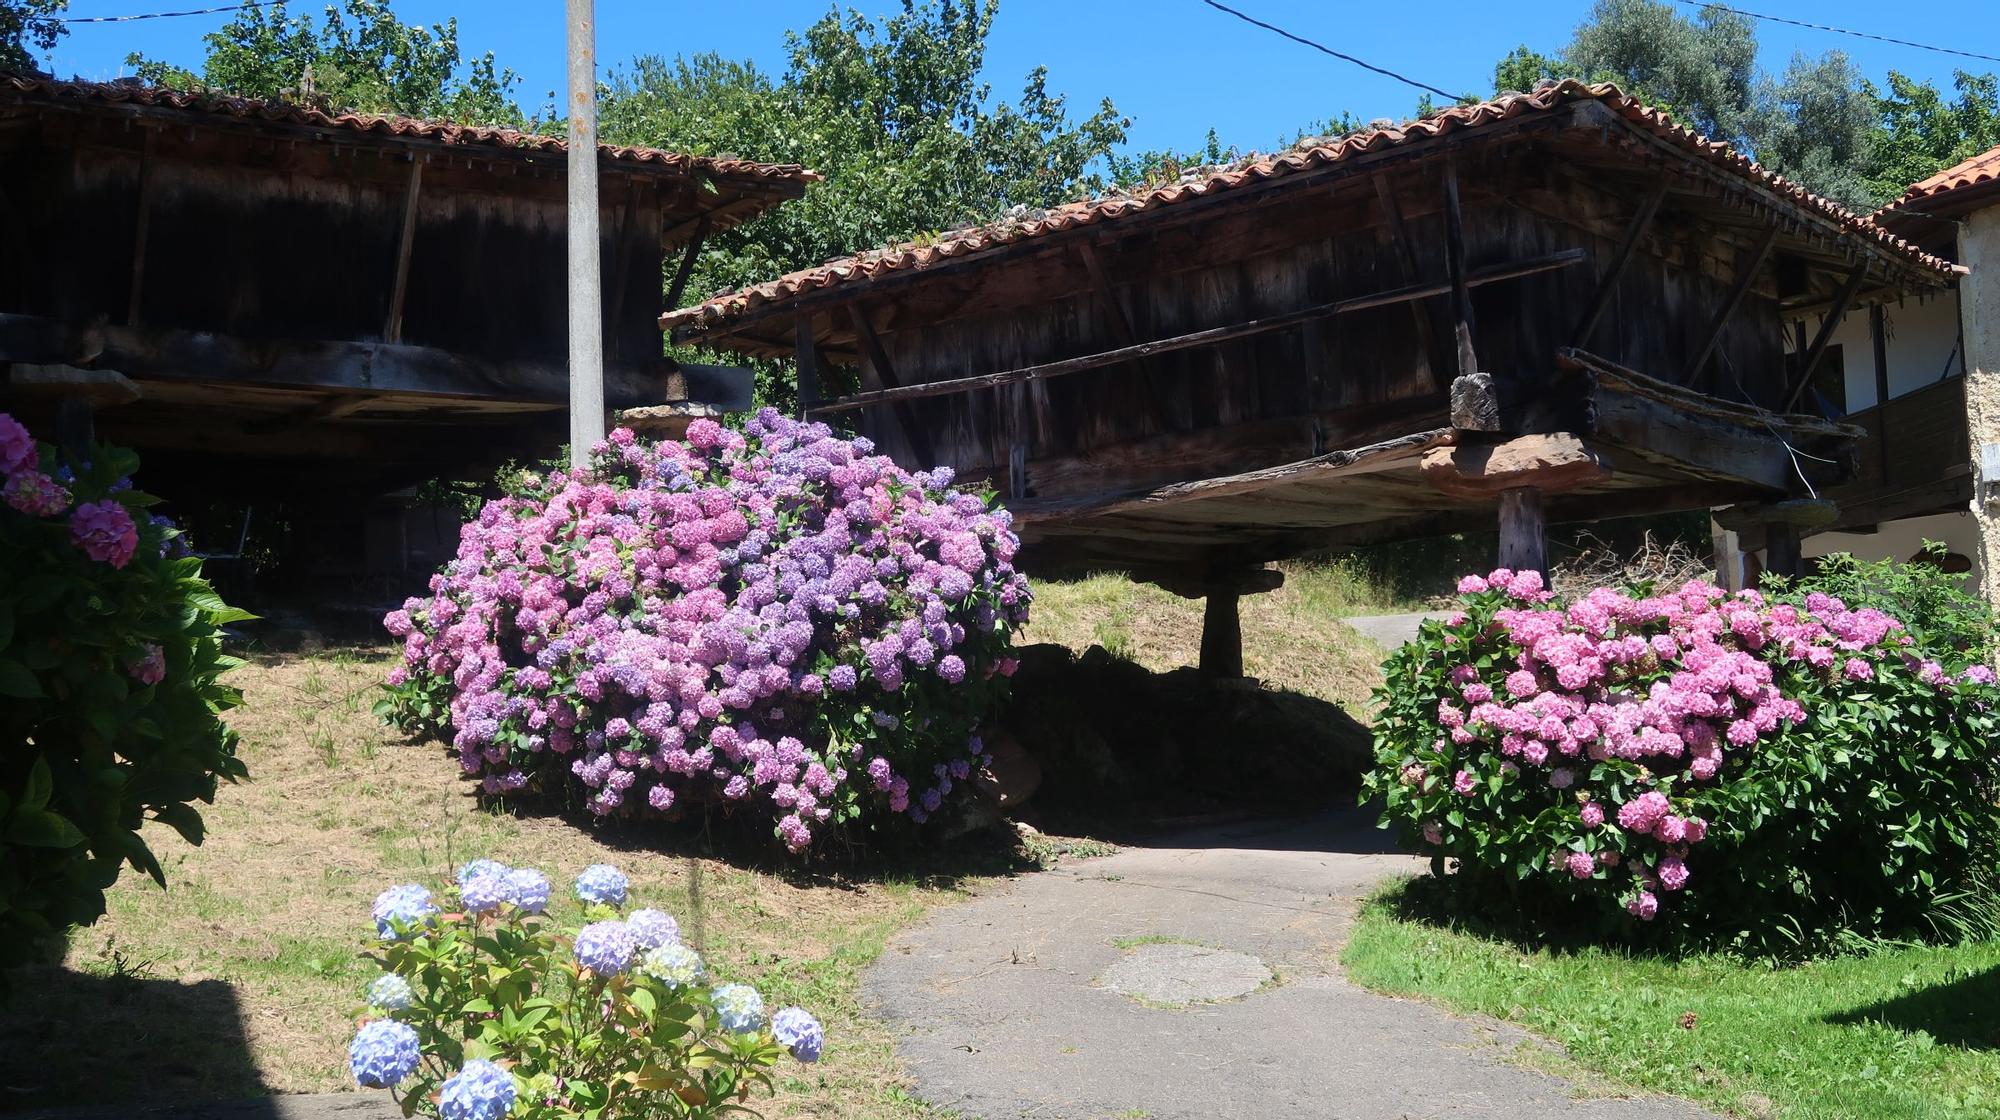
(774,621)
(1734,763)
(111,697)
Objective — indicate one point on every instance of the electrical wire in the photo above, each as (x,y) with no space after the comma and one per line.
(1843,31)
(165,15)
(1324,49)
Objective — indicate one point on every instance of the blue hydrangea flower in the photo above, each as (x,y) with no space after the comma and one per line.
(674,965)
(484,891)
(601,882)
(797,1031)
(739,1007)
(404,905)
(605,948)
(480,1091)
(383,1053)
(528,889)
(652,929)
(390,992)
(480,867)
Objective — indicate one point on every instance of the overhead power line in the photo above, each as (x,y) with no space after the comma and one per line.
(1324,49)
(166,15)
(1844,31)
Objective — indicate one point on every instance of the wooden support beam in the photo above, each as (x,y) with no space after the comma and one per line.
(227,361)
(1607,288)
(1461,290)
(1406,259)
(1209,337)
(1524,544)
(621,270)
(1878,342)
(686,269)
(399,286)
(1221,636)
(332,408)
(141,225)
(1826,328)
(1746,274)
(878,359)
(805,352)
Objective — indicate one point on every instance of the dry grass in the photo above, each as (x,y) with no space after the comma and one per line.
(244,976)
(1291,637)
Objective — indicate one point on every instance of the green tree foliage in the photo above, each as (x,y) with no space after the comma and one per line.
(1925,132)
(27,26)
(360,58)
(1821,122)
(892,113)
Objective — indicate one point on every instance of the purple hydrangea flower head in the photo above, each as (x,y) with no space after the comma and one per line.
(528,889)
(673,964)
(390,992)
(652,929)
(739,1008)
(602,883)
(383,1053)
(401,908)
(798,1032)
(17,447)
(484,891)
(480,867)
(605,948)
(479,1091)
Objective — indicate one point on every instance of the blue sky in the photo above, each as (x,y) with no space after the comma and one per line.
(1176,66)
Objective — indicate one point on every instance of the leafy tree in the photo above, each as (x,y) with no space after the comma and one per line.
(1819,125)
(1925,133)
(362,58)
(27,26)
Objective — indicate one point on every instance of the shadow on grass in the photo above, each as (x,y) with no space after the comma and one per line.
(1464,904)
(70,1038)
(1964,1012)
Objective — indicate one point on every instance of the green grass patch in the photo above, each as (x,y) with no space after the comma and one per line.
(1899,1034)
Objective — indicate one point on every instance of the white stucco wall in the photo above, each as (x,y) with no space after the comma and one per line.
(1902,540)
(1921,345)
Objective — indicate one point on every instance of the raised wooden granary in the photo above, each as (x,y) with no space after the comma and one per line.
(282,299)
(1559,304)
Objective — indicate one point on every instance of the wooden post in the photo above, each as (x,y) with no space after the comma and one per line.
(1878,339)
(76,430)
(1461,295)
(808,361)
(676,289)
(1781,550)
(1730,570)
(1524,545)
(1221,635)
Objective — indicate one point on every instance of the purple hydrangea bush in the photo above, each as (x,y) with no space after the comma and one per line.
(487,1009)
(776,620)
(1737,766)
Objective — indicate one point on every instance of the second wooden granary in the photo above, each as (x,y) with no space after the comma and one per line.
(1557,303)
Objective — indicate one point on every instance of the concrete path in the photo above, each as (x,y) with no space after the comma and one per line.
(1066,997)
(1390,630)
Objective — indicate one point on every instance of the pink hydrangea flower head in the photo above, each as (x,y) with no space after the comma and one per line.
(1644,905)
(1463,783)
(1432,833)
(1471,585)
(1591,814)
(151,666)
(17,447)
(1673,873)
(1644,811)
(34,493)
(1581,865)
(105,532)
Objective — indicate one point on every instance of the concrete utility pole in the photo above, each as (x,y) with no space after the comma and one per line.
(586,298)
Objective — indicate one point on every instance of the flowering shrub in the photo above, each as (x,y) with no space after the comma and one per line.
(109,691)
(494,1009)
(774,619)
(1736,765)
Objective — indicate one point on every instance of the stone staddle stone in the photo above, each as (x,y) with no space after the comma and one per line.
(1182,974)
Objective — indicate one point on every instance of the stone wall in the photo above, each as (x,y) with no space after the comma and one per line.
(1979,294)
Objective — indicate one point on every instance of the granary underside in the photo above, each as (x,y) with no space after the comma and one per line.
(1559,297)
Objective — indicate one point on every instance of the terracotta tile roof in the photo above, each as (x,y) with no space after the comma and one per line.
(725,307)
(1982,168)
(388,128)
